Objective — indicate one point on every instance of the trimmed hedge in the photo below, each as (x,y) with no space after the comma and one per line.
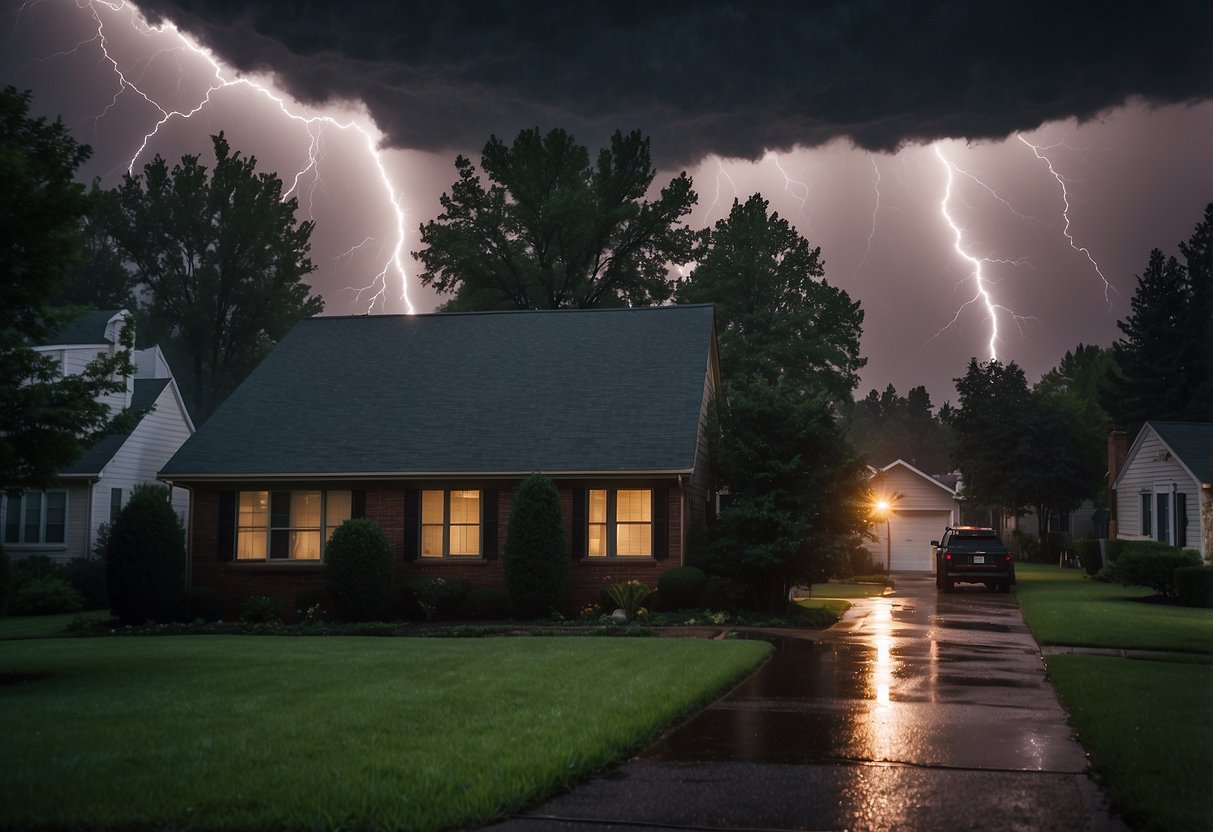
(1153,567)
(1088,555)
(145,559)
(358,572)
(536,558)
(682,587)
(1194,586)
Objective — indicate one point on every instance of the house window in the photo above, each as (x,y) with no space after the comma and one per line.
(115,504)
(35,517)
(619,523)
(450,523)
(288,525)
(1146,529)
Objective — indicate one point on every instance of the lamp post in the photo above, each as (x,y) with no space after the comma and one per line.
(883,507)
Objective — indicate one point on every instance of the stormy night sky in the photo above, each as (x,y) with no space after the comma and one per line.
(1075,140)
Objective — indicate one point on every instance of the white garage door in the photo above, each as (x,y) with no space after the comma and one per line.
(913,532)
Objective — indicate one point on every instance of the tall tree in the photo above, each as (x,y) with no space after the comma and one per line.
(100,279)
(776,314)
(553,231)
(886,426)
(988,423)
(46,421)
(221,258)
(1165,357)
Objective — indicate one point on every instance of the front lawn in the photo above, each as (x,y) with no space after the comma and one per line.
(1147,725)
(231,732)
(1065,607)
(44,626)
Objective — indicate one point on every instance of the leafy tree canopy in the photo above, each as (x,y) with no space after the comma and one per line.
(887,426)
(100,279)
(46,421)
(551,230)
(776,315)
(221,258)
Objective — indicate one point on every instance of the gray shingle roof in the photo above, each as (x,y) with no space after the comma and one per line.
(146,391)
(610,390)
(88,328)
(1192,442)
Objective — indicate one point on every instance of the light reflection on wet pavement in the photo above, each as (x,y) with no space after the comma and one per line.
(918,710)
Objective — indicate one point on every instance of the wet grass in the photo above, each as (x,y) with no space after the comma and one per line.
(1146,724)
(846,590)
(1149,729)
(259,733)
(1064,607)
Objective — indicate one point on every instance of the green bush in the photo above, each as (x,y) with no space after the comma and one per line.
(45,596)
(1153,568)
(204,603)
(485,602)
(33,567)
(87,575)
(261,609)
(439,597)
(1088,555)
(725,594)
(358,572)
(682,587)
(1194,586)
(145,562)
(1115,547)
(5,578)
(535,560)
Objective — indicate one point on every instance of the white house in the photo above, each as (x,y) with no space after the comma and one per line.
(920,507)
(1164,489)
(62,522)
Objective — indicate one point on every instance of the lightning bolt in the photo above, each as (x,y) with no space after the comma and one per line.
(797,190)
(875,209)
(721,173)
(1108,288)
(224,78)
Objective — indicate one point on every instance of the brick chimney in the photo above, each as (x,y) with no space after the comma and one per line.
(1118,449)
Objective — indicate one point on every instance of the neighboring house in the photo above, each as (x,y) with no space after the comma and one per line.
(426,424)
(1088,520)
(1164,488)
(922,506)
(62,522)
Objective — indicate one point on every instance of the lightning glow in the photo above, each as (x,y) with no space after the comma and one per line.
(393,267)
(875,210)
(1108,288)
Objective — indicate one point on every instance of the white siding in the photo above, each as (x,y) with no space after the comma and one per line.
(922,509)
(1151,469)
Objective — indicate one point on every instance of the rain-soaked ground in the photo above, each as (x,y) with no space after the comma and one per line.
(919,710)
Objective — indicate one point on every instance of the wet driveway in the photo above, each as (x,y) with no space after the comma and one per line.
(918,711)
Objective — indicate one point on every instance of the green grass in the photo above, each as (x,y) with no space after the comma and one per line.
(1149,729)
(44,626)
(1064,607)
(846,590)
(835,607)
(1147,725)
(231,732)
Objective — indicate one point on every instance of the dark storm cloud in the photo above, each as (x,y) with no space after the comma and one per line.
(700,77)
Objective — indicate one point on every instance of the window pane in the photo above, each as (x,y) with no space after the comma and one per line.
(465,506)
(305,510)
(252,523)
(305,545)
(33,517)
(431,541)
(598,503)
(254,508)
(634,539)
(596,545)
(634,506)
(465,540)
(338,507)
(431,508)
(12,520)
(56,516)
(250,544)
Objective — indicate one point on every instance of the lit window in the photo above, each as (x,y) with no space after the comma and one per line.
(35,517)
(620,523)
(286,525)
(450,523)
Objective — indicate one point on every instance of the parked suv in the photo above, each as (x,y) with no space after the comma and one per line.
(975,555)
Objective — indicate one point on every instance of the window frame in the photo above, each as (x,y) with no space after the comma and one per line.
(43,513)
(611,525)
(447,525)
(1145,511)
(272,532)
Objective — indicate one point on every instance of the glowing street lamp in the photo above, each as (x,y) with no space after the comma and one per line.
(885,509)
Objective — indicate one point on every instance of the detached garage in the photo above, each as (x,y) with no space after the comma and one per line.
(920,507)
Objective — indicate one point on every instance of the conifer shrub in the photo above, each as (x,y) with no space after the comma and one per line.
(145,564)
(535,559)
(358,572)
(682,587)
(1194,586)
(45,596)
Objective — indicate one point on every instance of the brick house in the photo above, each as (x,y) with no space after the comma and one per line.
(426,424)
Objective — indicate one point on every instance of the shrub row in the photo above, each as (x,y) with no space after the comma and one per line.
(38,585)
(1150,564)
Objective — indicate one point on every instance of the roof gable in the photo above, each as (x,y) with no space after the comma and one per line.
(602,390)
(98,455)
(1191,443)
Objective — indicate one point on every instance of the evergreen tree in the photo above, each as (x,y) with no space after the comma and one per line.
(535,559)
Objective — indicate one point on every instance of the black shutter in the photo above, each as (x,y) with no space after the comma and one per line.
(280,522)
(488,523)
(580,529)
(661,522)
(1181,520)
(227,525)
(357,504)
(412,523)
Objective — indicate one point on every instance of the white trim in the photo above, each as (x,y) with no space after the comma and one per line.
(911,468)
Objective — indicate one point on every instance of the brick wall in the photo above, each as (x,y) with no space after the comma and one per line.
(385,505)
